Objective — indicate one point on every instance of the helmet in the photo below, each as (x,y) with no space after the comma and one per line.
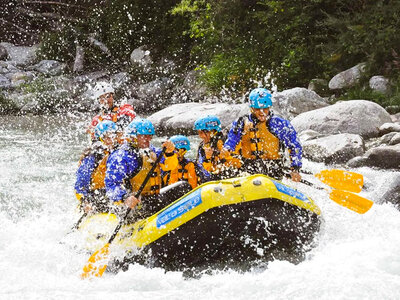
(140,126)
(180,142)
(103,128)
(208,123)
(102,88)
(260,98)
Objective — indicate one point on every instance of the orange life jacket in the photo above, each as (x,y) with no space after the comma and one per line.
(99,174)
(185,171)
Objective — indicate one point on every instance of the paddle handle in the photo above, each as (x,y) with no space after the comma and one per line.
(76,226)
(140,190)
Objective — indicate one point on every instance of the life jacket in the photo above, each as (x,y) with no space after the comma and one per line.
(185,171)
(258,142)
(215,163)
(99,174)
(153,186)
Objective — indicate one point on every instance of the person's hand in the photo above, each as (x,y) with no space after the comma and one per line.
(131,201)
(224,153)
(209,152)
(86,206)
(295,176)
(170,147)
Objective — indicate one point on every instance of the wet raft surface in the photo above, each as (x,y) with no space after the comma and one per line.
(235,236)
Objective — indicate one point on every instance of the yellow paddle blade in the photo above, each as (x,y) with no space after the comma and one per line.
(342,180)
(97,263)
(352,201)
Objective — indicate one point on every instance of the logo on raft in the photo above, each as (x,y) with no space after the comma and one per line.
(289,191)
(179,208)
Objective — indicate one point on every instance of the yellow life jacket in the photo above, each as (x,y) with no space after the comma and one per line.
(152,186)
(99,174)
(259,142)
(185,171)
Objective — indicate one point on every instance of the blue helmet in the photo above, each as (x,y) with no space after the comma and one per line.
(208,123)
(180,142)
(260,98)
(140,126)
(104,127)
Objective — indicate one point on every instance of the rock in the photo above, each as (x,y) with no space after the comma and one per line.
(4,82)
(79,59)
(3,53)
(385,157)
(355,116)
(385,139)
(153,94)
(120,79)
(49,67)
(347,78)
(395,117)
(293,102)
(8,67)
(337,148)
(380,84)
(395,139)
(90,78)
(308,135)
(180,118)
(319,86)
(99,45)
(22,55)
(141,57)
(20,76)
(192,90)
(392,194)
(389,127)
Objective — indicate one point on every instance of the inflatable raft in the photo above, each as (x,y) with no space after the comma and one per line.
(225,222)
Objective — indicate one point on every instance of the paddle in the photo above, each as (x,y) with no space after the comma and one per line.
(97,263)
(76,226)
(346,199)
(342,180)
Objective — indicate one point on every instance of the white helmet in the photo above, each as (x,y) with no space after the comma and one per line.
(102,88)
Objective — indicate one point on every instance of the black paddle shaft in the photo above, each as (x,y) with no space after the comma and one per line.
(138,194)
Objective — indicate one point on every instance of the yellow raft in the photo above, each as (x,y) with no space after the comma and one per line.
(221,222)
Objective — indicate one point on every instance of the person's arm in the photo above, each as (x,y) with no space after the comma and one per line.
(120,166)
(287,134)
(234,136)
(84,175)
(169,161)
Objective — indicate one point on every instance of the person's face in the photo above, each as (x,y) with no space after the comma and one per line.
(205,135)
(260,113)
(109,140)
(106,100)
(143,140)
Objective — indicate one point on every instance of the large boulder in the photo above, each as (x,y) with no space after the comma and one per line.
(180,118)
(355,116)
(22,55)
(293,102)
(385,157)
(337,148)
(347,78)
(141,57)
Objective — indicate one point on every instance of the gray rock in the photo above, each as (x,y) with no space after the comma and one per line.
(153,94)
(141,57)
(192,90)
(22,55)
(392,194)
(395,139)
(4,82)
(180,118)
(395,117)
(8,67)
(20,76)
(50,67)
(380,84)
(120,79)
(347,78)
(385,139)
(385,157)
(389,127)
(293,102)
(308,135)
(79,59)
(3,53)
(355,116)
(335,148)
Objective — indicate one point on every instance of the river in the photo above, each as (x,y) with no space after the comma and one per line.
(357,256)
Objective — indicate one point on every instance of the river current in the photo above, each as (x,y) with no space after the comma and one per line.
(357,256)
